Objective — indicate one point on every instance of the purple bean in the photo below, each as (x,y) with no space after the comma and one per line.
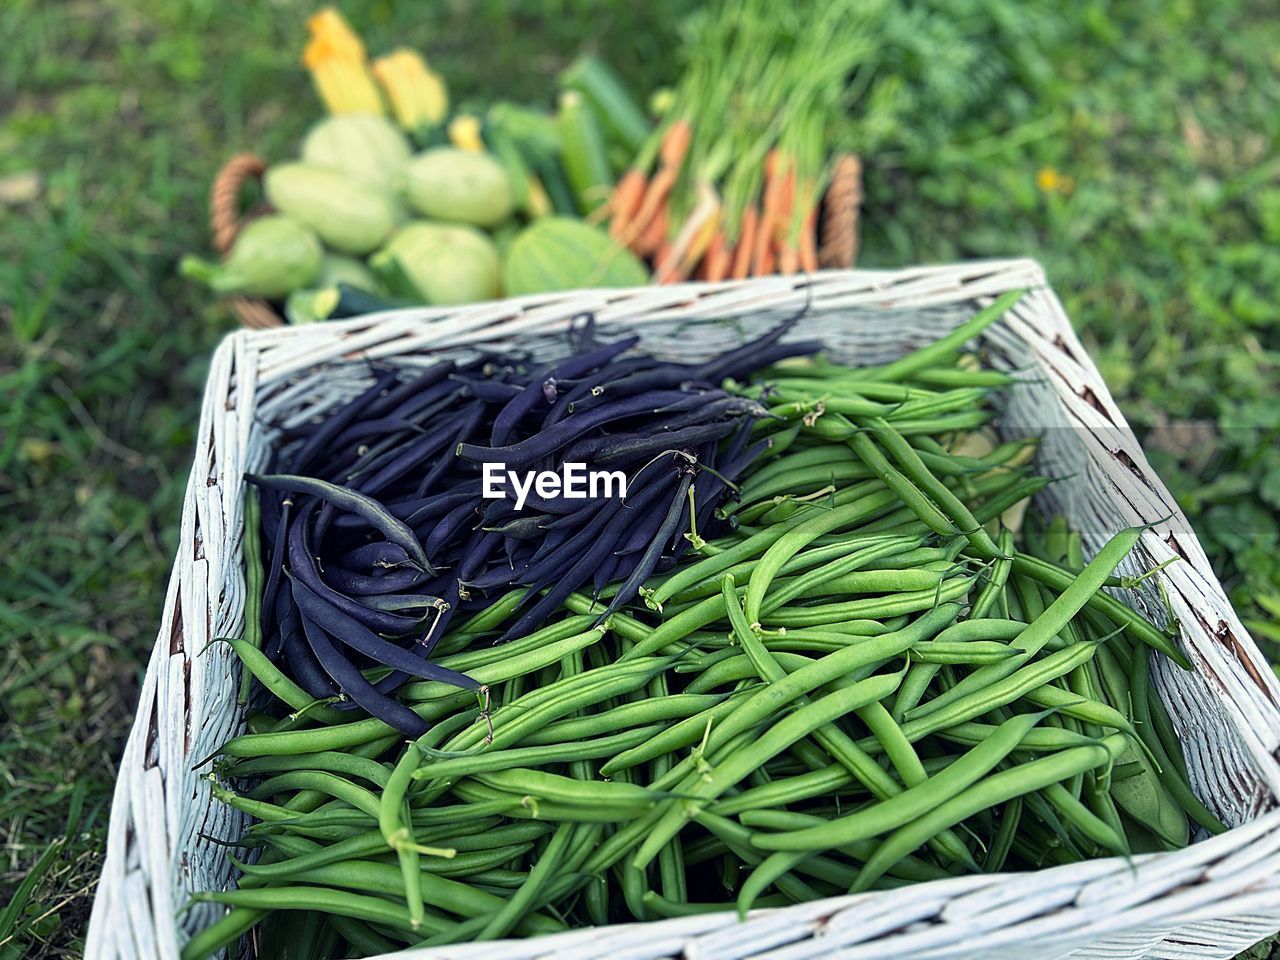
(351,501)
(510,415)
(553,438)
(333,424)
(360,584)
(649,561)
(303,566)
(353,683)
(407,390)
(354,634)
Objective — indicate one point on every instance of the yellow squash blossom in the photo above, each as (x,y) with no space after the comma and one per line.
(339,67)
(417,93)
(464,133)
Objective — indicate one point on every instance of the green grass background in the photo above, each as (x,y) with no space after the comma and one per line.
(1163,116)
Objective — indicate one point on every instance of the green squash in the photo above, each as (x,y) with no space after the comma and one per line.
(441,263)
(558,253)
(365,148)
(461,186)
(272,257)
(349,216)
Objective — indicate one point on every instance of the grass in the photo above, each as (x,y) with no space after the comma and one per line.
(1132,149)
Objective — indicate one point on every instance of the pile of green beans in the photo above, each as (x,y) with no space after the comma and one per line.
(874,680)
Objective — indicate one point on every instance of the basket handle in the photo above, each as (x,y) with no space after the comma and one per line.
(224,197)
(840,223)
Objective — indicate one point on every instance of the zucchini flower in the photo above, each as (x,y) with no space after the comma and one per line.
(464,133)
(417,93)
(339,67)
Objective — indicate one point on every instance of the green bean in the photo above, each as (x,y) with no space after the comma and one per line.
(1168,777)
(795,538)
(958,377)
(222,932)
(919,473)
(342,902)
(897,481)
(891,605)
(534,756)
(778,793)
(977,651)
(1044,739)
(941,349)
(327,783)
(738,839)
(487,654)
(256,662)
(362,937)
(737,668)
(753,546)
(947,401)
(525,806)
(1045,626)
(303,854)
(832,561)
(398,834)
(1074,705)
(914,685)
(1104,603)
(981,701)
(990,593)
(1086,821)
(1002,843)
(913,803)
(1000,787)
(505,669)
(252,546)
(557,788)
(522,901)
(328,760)
(586,690)
(728,771)
(786,821)
(682,734)
(676,706)
(443,893)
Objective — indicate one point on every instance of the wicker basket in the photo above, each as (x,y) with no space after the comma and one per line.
(1210,900)
(838,241)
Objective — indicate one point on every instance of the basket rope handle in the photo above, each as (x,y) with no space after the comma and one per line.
(226,220)
(224,197)
(840,225)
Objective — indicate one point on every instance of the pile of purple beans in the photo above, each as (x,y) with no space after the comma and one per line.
(377,533)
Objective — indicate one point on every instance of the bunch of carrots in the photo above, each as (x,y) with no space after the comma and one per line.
(730,183)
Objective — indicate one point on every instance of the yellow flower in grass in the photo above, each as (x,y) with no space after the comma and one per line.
(339,68)
(1050,180)
(417,93)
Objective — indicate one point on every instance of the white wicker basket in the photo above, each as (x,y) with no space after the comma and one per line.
(1210,900)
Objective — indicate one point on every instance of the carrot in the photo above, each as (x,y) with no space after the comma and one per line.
(788,256)
(693,238)
(653,234)
(809,242)
(675,144)
(628,193)
(655,196)
(741,263)
(767,263)
(715,265)
(660,258)
(762,255)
